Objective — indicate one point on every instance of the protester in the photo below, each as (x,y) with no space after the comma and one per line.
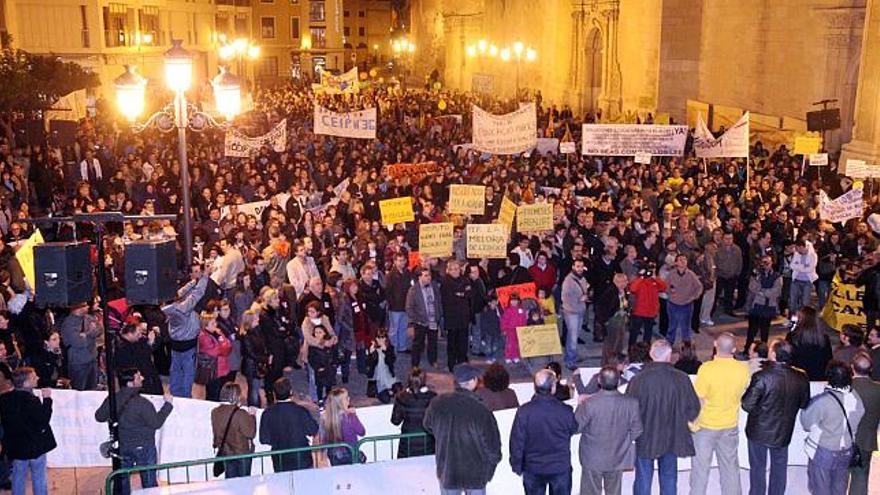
(79,332)
(851,339)
(811,346)
(866,433)
(645,289)
(214,349)
(49,364)
(513,317)
(424,310)
(575,294)
(287,425)
(27,435)
(255,357)
(183,330)
(339,423)
(135,350)
(234,430)
(495,392)
(803,275)
(687,359)
(540,440)
(408,412)
(381,358)
(765,288)
(613,312)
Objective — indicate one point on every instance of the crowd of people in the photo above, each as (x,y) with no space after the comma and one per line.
(315,285)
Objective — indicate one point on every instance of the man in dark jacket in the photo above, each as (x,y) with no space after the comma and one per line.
(138,422)
(455,294)
(286,425)
(667,403)
(27,434)
(397,284)
(866,433)
(424,309)
(468,443)
(135,350)
(540,440)
(773,399)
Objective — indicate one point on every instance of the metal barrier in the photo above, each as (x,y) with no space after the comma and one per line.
(405,443)
(279,458)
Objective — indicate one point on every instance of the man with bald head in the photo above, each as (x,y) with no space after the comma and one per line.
(720,385)
(540,440)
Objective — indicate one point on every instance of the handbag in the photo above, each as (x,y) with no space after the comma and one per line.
(206,369)
(220,467)
(855,459)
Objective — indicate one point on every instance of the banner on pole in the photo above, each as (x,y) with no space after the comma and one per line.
(507,212)
(483,84)
(734,143)
(397,210)
(508,134)
(487,240)
(858,169)
(538,340)
(629,139)
(435,239)
(359,125)
(844,305)
(534,218)
(336,85)
(239,145)
(467,200)
(567,147)
(846,206)
(547,145)
(25,257)
(818,159)
(807,145)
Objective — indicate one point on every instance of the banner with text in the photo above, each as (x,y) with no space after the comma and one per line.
(399,170)
(507,212)
(487,240)
(844,305)
(358,125)
(842,208)
(467,200)
(534,218)
(239,145)
(858,169)
(629,139)
(538,340)
(337,85)
(524,291)
(508,134)
(435,239)
(734,143)
(397,210)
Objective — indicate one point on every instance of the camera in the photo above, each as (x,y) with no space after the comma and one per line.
(646,268)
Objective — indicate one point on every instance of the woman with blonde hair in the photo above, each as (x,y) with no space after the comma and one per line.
(214,349)
(339,423)
(255,357)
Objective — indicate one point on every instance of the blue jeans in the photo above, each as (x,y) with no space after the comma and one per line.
(758,469)
(143,455)
(668,473)
(38,475)
(828,471)
(823,287)
(573,324)
(182,372)
(679,320)
(537,484)
(254,386)
(397,324)
(801,290)
(477,339)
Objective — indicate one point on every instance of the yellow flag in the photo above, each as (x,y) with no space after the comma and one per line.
(25,256)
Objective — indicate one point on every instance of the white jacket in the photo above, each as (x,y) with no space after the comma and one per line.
(803,266)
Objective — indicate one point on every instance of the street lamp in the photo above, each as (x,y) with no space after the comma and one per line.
(241,49)
(179,114)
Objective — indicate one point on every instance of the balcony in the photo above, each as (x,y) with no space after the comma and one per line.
(233,3)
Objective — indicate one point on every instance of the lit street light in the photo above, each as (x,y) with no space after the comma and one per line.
(517,52)
(242,50)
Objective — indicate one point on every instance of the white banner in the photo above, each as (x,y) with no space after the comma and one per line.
(256,208)
(337,85)
(629,139)
(818,159)
(239,145)
(642,158)
(483,84)
(846,206)
(733,143)
(547,145)
(858,169)
(567,147)
(508,134)
(359,125)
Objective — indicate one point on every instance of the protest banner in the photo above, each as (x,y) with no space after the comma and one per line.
(547,145)
(414,260)
(844,305)
(507,212)
(818,159)
(238,145)
(538,340)
(643,158)
(840,209)
(858,169)
(483,84)
(734,143)
(487,240)
(25,257)
(359,125)
(435,239)
(524,291)
(534,218)
(399,170)
(397,210)
(567,147)
(467,200)
(336,85)
(509,134)
(807,145)
(629,139)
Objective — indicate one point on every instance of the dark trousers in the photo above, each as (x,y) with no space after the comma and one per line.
(758,469)
(726,288)
(422,333)
(238,469)
(695,314)
(859,476)
(537,484)
(137,456)
(663,327)
(757,325)
(742,288)
(83,376)
(786,293)
(212,388)
(456,346)
(640,325)
(345,364)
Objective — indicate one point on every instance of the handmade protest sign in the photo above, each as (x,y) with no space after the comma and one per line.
(487,240)
(397,210)
(467,200)
(435,239)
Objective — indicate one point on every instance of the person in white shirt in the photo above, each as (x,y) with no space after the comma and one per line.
(803,274)
(526,258)
(227,266)
(90,169)
(301,268)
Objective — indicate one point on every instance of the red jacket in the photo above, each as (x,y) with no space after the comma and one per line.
(646,292)
(544,279)
(217,346)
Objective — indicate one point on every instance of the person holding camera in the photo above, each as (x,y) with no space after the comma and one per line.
(645,290)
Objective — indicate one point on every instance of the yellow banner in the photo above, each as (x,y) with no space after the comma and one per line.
(487,240)
(467,200)
(534,218)
(844,306)
(25,257)
(806,145)
(507,212)
(397,210)
(435,239)
(538,340)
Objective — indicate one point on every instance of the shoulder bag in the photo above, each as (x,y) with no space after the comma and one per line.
(856,457)
(220,467)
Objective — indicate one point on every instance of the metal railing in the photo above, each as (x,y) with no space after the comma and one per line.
(400,445)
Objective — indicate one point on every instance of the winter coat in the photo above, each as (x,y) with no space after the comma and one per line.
(415,306)
(255,356)
(609,423)
(773,399)
(764,291)
(218,347)
(573,289)
(409,413)
(397,284)
(646,296)
(25,419)
(455,295)
(540,438)
(138,419)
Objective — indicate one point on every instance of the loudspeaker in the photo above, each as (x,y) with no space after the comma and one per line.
(823,120)
(64,273)
(150,272)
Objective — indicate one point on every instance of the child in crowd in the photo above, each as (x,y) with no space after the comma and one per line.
(514,316)
(490,328)
(322,359)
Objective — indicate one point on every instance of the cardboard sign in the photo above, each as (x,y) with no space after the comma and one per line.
(487,240)
(467,200)
(399,170)
(524,291)
(534,218)
(844,305)
(538,340)
(435,239)
(567,147)
(644,158)
(397,210)
(414,260)
(507,212)
(818,159)
(807,145)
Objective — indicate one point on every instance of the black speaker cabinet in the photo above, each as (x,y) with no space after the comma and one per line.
(150,272)
(64,273)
